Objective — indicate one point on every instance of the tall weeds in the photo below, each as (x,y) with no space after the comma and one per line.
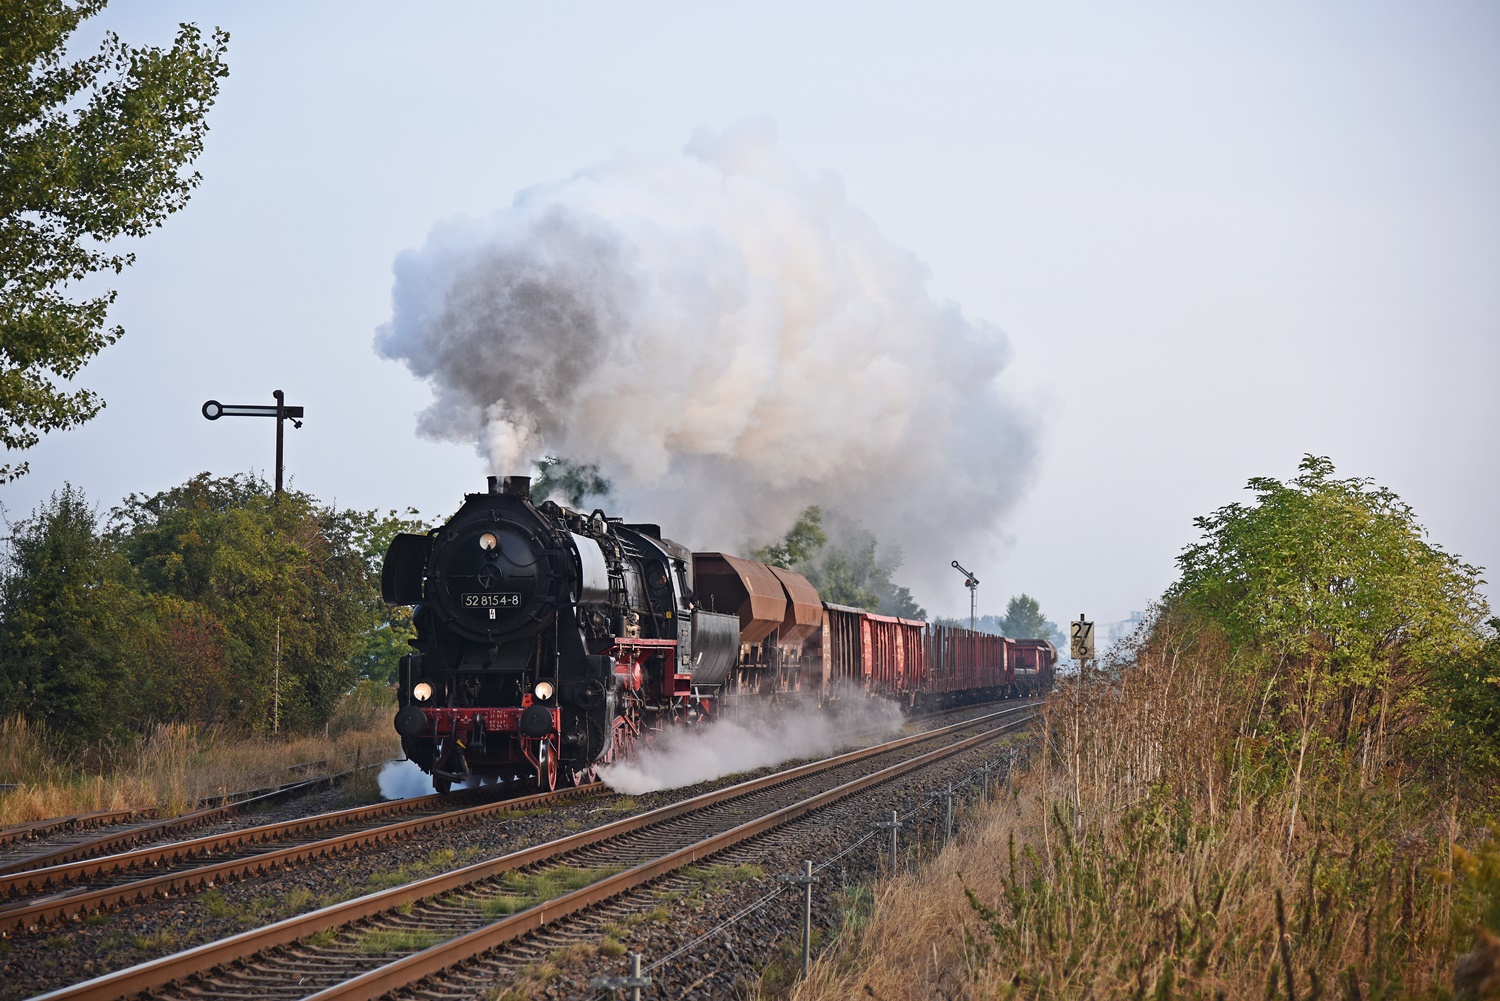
(1175,837)
(174,766)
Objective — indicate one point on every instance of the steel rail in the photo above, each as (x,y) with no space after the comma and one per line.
(78,821)
(57,876)
(29,916)
(178,966)
(16,833)
(62,904)
(165,828)
(437,958)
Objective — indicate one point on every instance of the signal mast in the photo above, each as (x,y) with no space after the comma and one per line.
(972,583)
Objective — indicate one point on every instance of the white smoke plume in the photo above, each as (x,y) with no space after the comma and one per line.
(729,339)
(684,756)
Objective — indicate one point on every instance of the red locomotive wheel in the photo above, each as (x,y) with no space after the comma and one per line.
(547,768)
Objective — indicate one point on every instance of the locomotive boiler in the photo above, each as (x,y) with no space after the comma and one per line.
(548,641)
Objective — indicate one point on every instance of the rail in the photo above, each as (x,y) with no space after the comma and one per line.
(211,955)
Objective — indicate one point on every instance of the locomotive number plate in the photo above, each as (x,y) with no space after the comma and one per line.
(508,599)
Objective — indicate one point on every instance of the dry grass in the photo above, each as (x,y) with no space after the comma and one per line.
(175,766)
(1158,847)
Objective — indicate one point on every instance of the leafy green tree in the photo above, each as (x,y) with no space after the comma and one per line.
(1023,619)
(1470,686)
(71,624)
(573,481)
(843,575)
(982,624)
(91,150)
(1329,590)
(185,674)
(896,599)
(800,544)
(385,639)
(848,571)
(290,582)
(198,604)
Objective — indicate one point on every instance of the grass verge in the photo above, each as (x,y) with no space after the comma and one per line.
(174,766)
(1158,845)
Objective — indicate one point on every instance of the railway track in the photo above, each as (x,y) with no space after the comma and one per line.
(34,897)
(67,839)
(22,842)
(75,879)
(383,941)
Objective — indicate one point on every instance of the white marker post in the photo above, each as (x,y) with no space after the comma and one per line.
(1082,641)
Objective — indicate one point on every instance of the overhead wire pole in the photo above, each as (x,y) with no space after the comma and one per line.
(972,583)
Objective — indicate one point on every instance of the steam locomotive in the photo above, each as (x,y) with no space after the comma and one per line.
(551,642)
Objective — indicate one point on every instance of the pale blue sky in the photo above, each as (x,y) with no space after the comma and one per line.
(1217,236)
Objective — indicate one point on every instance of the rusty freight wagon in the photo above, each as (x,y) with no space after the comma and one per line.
(1035,667)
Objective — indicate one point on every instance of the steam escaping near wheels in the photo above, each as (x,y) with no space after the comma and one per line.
(728,338)
(403,780)
(756,738)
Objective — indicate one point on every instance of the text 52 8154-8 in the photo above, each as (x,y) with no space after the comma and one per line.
(500,600)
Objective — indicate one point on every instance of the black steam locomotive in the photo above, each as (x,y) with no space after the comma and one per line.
(548,641)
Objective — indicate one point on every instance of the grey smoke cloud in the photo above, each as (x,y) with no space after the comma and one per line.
(729,339)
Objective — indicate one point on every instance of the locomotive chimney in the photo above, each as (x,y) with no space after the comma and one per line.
(517,486)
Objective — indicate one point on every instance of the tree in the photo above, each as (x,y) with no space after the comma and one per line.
(572,481)
(898,601)
(1024,620)
(70,623)
(380,647)
(197,604)
(1328,589)
(291,583)
(1333,571)
(1471,687)
(847,571)
(800,544)
(90,151)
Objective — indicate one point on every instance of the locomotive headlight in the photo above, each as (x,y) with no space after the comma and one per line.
(544,690)
(422,691)
(488,542)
